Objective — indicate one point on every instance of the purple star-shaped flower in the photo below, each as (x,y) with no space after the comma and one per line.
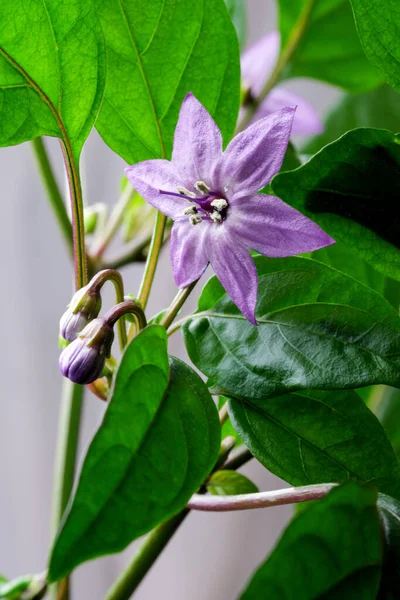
(257,63)
(212,197)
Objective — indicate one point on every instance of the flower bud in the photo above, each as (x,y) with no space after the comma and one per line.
(84,306)
(83,360)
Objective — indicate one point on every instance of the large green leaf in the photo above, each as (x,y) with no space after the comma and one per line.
(52,70)
(318,328)
(157,52)
(378,25)
(330,551)
(158,441)
(325,42)
(351,188)
(389,509)
(314,437)
(377,108)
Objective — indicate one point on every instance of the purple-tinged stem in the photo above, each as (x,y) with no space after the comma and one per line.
(261,499)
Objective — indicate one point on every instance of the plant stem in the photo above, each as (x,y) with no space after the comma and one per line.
(152,259)
(65,461)
(131,253)
(223,413)
(239,457)
(286,55)
(101,244)
(144,558)
(177,304)
(260,499)
(53,191)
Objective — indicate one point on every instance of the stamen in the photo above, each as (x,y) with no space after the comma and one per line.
(219,204)
(190,210)
(202,187)
(195,219)
(216,217)
(185,192)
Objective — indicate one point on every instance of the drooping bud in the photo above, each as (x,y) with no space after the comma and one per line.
(84,359)
(84,306)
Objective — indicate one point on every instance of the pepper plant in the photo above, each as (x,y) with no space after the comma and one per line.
(296,338)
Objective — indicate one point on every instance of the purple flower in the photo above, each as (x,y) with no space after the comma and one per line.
(257,63)
(212,197)
(83,360)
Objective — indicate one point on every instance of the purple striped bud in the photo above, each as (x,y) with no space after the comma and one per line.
(83,360)
(84,306)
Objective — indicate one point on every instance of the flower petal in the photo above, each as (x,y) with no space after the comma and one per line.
(306,120)
(234,267)
(254,156)
(258,61)
(188,251)
(197,143)
(151,176)
(268,225)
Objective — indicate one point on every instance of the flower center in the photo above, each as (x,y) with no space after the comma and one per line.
(205,204)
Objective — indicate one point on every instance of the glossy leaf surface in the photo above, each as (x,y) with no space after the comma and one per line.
(158,441)
(228,483)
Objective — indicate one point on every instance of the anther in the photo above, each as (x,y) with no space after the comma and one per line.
(219,204)
(190,210)
(202,187)
(184,192)
(195,219)
(216,217)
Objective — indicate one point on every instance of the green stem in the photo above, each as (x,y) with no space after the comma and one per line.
(287,53)
(53,192)
(144,558)
(177,304)
(152,259)
(65,461)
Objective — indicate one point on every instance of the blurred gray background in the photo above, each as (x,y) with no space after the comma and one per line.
(212,555)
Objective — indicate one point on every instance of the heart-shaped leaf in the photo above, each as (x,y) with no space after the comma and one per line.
(157,52)
(351,188)
(318,328)
(52,70)
(332,550)
(159,440)
(314,437)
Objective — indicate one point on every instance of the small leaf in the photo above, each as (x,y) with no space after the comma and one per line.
(378,108)
(351,189)
(378,27)
(318,328)
(52,70)
(229,483)
(330,551)
(14,589)
(159,440)
(328,48)
(314,437)
(158,52)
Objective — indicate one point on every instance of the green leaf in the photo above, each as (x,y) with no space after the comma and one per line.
(237,11)
(14,589)
(378,25)
(330,551)
(157,52)
(328,47)
(313,437)
(389,509)
(159,440)
(229,483)
(318,328)
(388,412)
(378,108)
(351,188)
(52,70)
